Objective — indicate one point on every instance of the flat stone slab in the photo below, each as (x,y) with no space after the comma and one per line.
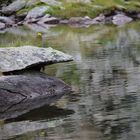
(22,93)
(19,58)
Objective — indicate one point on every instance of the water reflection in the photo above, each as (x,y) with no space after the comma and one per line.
(106,79)
(35,120)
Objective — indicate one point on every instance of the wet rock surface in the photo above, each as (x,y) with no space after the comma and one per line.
(12,59)
(22,93)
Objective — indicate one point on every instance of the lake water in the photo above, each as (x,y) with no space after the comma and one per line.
(105,77)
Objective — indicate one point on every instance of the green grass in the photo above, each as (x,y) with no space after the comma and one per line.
(75,9)
(72,10)
(81,9)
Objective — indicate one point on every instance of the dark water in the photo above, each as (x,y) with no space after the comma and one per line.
(105,77)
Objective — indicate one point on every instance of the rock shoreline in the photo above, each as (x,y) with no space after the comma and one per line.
(39,15)
(23,87)
(118,19)
(22,93)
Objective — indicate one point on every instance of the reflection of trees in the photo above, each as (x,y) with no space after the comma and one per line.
(110,80)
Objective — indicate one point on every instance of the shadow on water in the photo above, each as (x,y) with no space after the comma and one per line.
(105,77)
(43,113)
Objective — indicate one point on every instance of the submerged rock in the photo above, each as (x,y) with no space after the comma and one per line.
(22,93)
(19,58)
(121,19)
(14,7)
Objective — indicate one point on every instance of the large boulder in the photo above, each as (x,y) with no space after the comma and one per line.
(14,7)
(22,93)
(37,12)
(121,19)
(18,58)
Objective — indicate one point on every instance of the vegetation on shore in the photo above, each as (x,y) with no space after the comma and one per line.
(74,9)
(93,9)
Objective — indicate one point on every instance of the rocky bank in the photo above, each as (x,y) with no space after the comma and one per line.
(21,89)
(21,12)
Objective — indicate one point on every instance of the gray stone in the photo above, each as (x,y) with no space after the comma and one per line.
(15,6)
(2,26)
(31,3)
(6,20)
(37,28)
(75,20)
(100,19)
(18,58)
(49,20)
(138,16)
(37,12)
(31,20)
(21,93)
(52,2)
(121,19)
(91,22)
(65,21)
(82,21)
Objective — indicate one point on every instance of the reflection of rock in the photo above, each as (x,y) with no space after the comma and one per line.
(38,28)
(22,93)
(48,20)
(43,113)
(121,19)
(6,20)
(12,59)
(2,25)
(52,117)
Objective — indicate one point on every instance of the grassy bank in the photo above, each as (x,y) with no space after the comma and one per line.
(74,9)
(80,8)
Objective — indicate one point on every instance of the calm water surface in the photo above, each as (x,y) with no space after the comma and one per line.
(105,77)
